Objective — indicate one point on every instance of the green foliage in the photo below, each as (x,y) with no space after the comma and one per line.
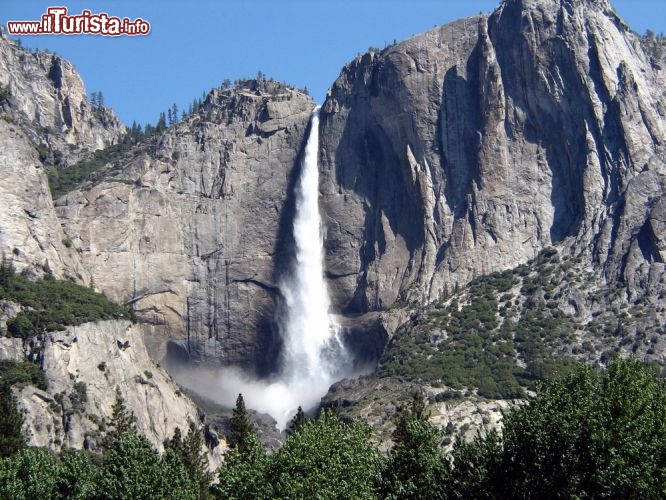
(78,475)
(132,468)
(121,423)
(64,180)
(243,474)
(31,473)
(477,352)
(52,304)
(191,453)
(416,411)
(11,421)
(477,466)
(241,426)
(297,422)
(416,466)
(593,434)
(498,336)
(21,373)
(327,459)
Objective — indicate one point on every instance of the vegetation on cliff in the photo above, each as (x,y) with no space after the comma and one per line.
(50,305)
(506,331)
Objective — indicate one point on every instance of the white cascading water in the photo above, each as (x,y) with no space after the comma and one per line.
(313,356)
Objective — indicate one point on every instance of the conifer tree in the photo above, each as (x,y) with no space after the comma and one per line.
(121,423)
(11,421)
(416,411)
(241,426)
(174,113)
(297,423)
(416,467)
(190,451)
(195,460)
(161,123)
(176,442)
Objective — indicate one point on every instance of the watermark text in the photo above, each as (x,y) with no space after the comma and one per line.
(56,22)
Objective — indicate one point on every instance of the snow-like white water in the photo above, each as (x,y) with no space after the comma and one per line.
(313,357)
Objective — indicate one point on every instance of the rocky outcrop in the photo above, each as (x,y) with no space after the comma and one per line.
(192,228)
(45,120)
(469,148)
(30,232)
(44,94)
(86,367)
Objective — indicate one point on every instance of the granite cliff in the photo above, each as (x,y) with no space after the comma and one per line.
(471,147)
(529,141)
(86,366)
(191,227)
(46,121)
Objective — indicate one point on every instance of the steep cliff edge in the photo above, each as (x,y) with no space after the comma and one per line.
(190,226)
(471,147)
(531,142)
(44,94)
(46,120)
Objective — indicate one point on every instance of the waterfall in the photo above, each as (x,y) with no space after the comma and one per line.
(313,356)
(312,353)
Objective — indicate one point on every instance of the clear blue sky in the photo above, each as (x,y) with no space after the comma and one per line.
(193,46)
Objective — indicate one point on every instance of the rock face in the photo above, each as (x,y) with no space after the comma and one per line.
(30,232)
(461,151)
(45,118)
(45,95)
(469,148)
(193,227)
(86,366)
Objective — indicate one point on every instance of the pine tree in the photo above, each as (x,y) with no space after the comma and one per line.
(7,272)
(176,442)
(121,423)
(241,426)
(191,453)
(174,113)
(416,467)
(297,423)
(417,411)
(161,123)
(97,100)
(11,421)
(94,101)
(196,461)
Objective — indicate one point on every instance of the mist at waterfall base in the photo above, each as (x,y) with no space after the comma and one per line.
(313,356)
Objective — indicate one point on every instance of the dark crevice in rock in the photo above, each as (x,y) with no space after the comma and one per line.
(647,244)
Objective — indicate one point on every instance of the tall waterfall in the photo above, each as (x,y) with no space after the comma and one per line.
(312,351)
(313,356)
